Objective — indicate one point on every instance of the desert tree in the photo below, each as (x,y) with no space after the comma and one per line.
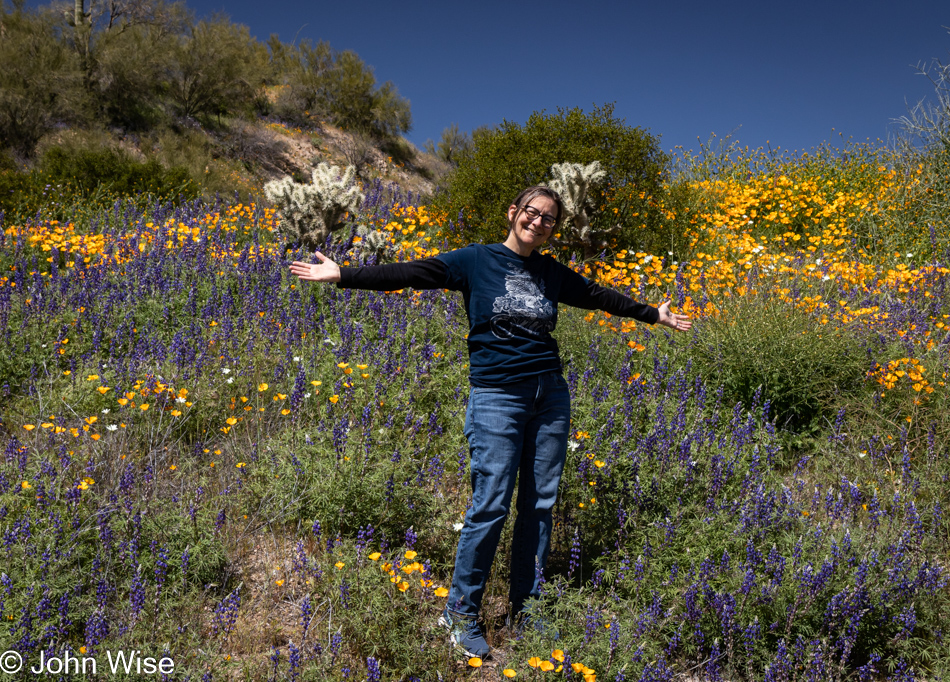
(39,81)
(338,87)
(452,144)
(218,68)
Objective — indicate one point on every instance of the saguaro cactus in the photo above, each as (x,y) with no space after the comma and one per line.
(573,181)
(310,213)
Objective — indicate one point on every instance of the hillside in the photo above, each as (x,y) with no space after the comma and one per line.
(204,99)
(242,155)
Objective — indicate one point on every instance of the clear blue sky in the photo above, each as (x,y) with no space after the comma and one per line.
(791,73)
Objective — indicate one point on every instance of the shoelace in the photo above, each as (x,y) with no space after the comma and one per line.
(470,627)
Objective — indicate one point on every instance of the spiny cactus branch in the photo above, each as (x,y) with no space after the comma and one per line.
(310,213)
(574,181)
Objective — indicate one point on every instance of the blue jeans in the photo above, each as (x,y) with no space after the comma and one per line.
(521,426)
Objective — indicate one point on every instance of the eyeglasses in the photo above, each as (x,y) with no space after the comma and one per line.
(547,221)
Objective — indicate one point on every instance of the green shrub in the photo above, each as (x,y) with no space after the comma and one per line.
(115,171)
(82,179)
(505,160)
(218,171)
(134,65)
(337,86)
(86,178)
(921,208)
(759,344)
(452,143)
(217,69)
(39,83)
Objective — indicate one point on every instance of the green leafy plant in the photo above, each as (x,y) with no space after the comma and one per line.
(39,81)
(318,81)
(760,344)
(218,68)
(89,169)
(83,178)
(505,160)
(451,144)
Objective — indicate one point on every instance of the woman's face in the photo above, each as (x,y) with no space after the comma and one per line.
(529,233)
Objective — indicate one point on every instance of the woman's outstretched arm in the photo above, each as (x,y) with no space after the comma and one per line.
(428,273)
(581,292)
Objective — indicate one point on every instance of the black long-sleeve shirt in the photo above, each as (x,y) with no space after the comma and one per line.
(511,303)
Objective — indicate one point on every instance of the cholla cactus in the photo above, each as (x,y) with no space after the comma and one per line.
(573,182)
(374,242)
(310,213)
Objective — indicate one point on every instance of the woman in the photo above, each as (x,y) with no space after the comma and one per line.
(518,416)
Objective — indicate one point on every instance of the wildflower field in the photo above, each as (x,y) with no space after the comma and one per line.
(208,461)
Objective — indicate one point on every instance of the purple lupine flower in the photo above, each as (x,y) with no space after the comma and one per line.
(293,657)
(335,641)
(137,593)
(97,629)
(363,537)
(593,621)
(306,613)
(575,555)
(225,614)
(344,594)
(614,635)
(373,673)
(713,671)
(161,567)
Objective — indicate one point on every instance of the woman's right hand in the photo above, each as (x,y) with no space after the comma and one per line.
(324,271)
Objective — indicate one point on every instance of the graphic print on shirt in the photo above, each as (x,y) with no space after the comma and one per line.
(523,310)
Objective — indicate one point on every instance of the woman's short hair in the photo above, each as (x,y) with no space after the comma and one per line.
(530,193)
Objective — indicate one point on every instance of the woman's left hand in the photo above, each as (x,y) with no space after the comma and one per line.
(680,323)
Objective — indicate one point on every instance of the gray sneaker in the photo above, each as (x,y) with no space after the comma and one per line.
(465,633)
